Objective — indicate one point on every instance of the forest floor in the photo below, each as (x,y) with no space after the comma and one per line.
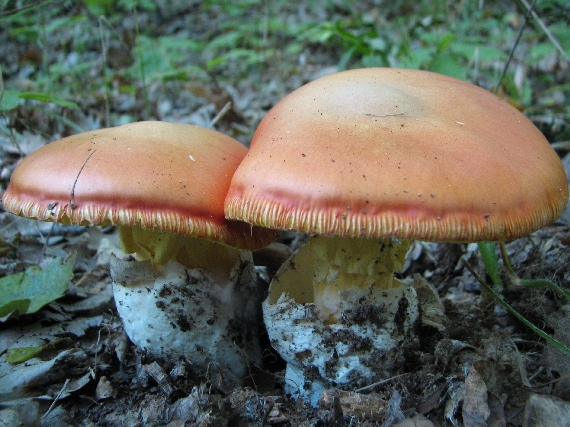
(476,365)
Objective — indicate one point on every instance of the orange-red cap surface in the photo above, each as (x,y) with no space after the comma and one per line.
(401,153)
(164,176)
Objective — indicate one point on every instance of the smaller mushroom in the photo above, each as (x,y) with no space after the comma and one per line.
(192,291)
(365,161)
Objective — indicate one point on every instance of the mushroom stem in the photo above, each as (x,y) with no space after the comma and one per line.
(189,297)
(351,327)
(215,259)
(342,270)
(179,312)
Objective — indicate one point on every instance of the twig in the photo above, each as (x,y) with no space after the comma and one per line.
(554,381)
(84,277)
(511,53)
(544,28)
(45,239)
(19,10)
(221,114)
(371,387)
(72,195)
(56,398)
(96,355)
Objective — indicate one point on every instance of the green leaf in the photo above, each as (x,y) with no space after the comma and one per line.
(18,355)
(445,42)
(446,63)
(36,286)
(489,256)
(484,53)
(543,283)
(346,57)
(19,305)
(22,354)
(99,7)
(9,100)
(42,97)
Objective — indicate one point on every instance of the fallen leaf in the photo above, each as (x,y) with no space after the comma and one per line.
(17,379)
(456,393)
(475,406)
(21,354)
(34,288)
(542,411)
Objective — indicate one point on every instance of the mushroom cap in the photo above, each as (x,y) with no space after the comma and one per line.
(401,153)
(158,175)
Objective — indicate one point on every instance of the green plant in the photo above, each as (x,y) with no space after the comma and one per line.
(492,266)
(29,291)
(11,99)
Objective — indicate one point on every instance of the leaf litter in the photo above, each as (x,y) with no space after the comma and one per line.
(65,360)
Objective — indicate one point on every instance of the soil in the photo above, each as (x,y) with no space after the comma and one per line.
(472,363)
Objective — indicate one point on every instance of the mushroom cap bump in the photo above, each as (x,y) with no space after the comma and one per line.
(162,176)
(398,153)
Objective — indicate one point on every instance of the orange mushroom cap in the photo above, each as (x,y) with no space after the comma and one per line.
(163,176)
(398,153)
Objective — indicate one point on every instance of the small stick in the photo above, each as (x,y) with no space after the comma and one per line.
(511,53)
(72,195)
(56,398)
(544,28)
(370,387)
(221,114)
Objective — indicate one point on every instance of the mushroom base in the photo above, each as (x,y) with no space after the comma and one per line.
(357,342)
(179,312)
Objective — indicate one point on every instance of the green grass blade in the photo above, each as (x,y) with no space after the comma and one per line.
(487,250)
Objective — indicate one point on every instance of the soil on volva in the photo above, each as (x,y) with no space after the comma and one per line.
(472,362)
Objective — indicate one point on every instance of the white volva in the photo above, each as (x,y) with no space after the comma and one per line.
(178,312)
(347,328)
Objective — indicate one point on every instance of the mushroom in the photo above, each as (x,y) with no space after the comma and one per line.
(368,160)
(192,291)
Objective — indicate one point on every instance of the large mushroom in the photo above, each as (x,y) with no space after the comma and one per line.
(192,291)
(368,160)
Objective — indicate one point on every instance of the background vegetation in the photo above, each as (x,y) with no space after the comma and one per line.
(70,65)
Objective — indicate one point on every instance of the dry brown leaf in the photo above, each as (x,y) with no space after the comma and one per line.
(497,417)
(546,411)
(475,405)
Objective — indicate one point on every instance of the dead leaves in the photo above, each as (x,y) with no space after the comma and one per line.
(475,405)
